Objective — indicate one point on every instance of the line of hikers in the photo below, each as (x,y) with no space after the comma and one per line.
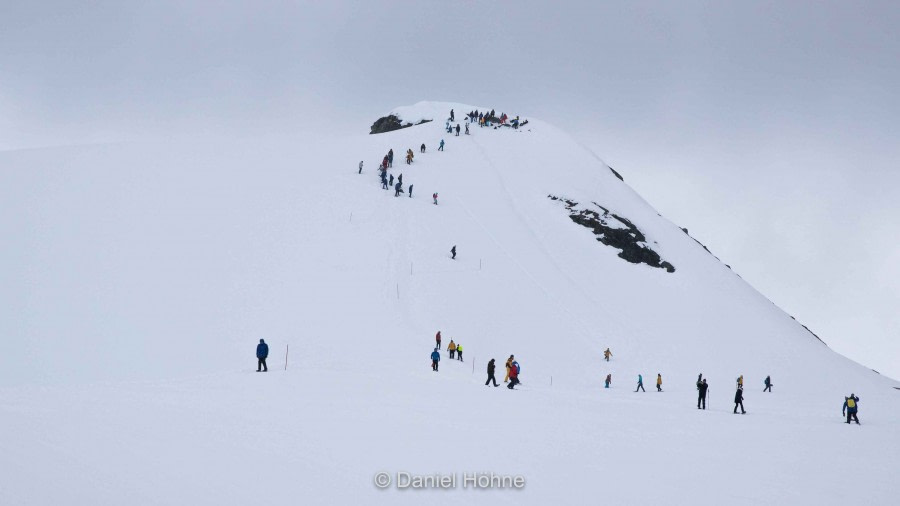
(456,350)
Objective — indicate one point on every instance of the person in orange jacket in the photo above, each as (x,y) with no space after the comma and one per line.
(509,362)
(452,349)
(658,382)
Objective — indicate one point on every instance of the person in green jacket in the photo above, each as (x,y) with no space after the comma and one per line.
(459,352)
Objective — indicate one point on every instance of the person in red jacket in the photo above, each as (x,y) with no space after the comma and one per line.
(513,375)
(437,339)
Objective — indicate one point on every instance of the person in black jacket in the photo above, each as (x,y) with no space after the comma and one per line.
(453,252)
(490,371)
(739,400)
(262,352)
(702,387)
(768,384)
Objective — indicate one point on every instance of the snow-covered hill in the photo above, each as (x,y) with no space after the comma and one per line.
(138,279)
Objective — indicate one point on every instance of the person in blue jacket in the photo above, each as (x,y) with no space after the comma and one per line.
(435,358)
(851,404)
(640,383)
(262,351)
(441,146)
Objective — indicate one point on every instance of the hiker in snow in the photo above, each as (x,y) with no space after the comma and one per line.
(435,358)
(509,362)
(409,157)
(608,380)
(490,371)
(434,196)
(452,349)
(262,351)
(384,183)
(768,384)
(437,339)
(607,354)
(360,168)
(640,383)
(422,148)
(384,164)
(739,400)
(451,115)
(851,404)
(702,387)
(410,191)
(441,146)
(453,252)
(513,375)
(459,352)
(398,189)
(658,382)
(467,128)
(391,157)
(392,180)
(457,129)
(400,179)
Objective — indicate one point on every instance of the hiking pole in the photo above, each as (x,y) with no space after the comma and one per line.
(473,364)
(286,350)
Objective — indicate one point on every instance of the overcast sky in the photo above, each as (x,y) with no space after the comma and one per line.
(769,129)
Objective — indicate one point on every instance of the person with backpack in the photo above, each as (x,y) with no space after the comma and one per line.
(437,338)
(509,362)
(262,352)
(451,115)
(434,196)
(457,129)
(658,382)
(608,380)
(513,375)
(702,387)
(400,179)
(398,189)
(467,128)
(739,400)
(441,145)
(453,252)
(740,381)
(459,352)
(435,358)
(422,148)
(360,167)
(607,354)
(768,384)
(640,383)
(392,180)
(452,349)
(410,191)
(390,156)
(490,371)
(384,181)
(851,405)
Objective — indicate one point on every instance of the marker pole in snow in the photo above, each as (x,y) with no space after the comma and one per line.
(473,364)
(286,350)
(398,291)
(351,217)
(479,264)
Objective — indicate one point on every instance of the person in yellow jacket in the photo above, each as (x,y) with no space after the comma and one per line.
(452,349)
(658,382)
(509,362)
(459,352)
(607,354)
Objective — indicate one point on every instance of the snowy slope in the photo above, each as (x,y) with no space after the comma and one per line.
(138,279)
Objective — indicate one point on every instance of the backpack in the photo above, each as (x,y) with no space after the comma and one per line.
(851,403)
(518,369)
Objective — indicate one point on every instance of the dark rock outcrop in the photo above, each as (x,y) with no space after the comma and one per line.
(617,232)
(617,174)
(390,123)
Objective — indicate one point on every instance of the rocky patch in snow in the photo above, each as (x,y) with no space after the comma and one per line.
(390,123)
(616,231)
